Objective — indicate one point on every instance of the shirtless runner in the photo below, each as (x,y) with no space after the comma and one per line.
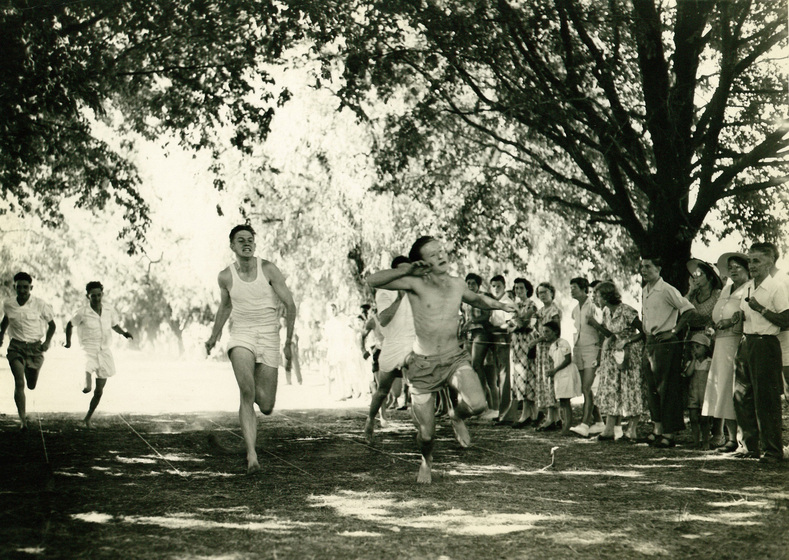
(437,361)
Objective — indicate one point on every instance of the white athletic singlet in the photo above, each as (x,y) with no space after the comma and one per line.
(254,303)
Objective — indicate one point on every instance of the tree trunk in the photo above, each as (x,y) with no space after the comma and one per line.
(675,253)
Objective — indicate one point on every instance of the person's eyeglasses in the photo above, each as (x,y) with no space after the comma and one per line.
(697,274)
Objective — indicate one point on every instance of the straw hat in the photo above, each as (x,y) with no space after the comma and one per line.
(694,264)
(723,262)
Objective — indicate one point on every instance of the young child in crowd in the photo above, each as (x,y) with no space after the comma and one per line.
(696,372)
(566,378)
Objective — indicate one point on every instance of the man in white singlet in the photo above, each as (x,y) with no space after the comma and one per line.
(397,324)
(251,290)
(437,360)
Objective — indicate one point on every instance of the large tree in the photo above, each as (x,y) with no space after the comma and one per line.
(190,67)
(645,115)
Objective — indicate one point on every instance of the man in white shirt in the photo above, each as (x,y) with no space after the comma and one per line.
(500,348)
(757,389)
(783,336)
(95,323)
(664,314)
(586,354)
(24,317)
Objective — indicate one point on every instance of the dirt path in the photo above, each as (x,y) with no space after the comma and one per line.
(152,486)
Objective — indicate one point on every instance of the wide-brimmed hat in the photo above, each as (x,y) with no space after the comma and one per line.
(701,338)
(723,262)
(694,264)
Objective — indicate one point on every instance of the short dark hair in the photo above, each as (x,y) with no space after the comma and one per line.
(608,292)
(398,260)
(241,227)
(581,282)
(593,284)
(548,286)
(24,276)
(654,259)
(498,278)
(554,326)
(415,254)
(766,248)
(526,284)
(774,249)
(475,277)
(93,285)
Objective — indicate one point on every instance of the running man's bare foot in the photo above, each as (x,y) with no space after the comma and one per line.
(253,467)
(425,475)
(23,425)
(368,430)
(88,424)
(461,431)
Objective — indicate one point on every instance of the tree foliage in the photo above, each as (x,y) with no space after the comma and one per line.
(633,113)
(188,67)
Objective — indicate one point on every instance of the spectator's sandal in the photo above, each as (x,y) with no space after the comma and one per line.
(664,443)
(651,439)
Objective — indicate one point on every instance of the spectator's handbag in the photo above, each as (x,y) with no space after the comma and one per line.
(736,320)
(736,328)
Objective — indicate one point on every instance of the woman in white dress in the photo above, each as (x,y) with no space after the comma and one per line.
(719,394)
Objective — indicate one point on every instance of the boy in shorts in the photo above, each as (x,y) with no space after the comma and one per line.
(25,318)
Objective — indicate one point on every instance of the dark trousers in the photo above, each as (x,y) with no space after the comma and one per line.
(757,393)
(662,367)
(501,354)
(480,348)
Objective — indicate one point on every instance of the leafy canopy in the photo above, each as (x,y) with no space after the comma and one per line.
(192,67)
(642,115)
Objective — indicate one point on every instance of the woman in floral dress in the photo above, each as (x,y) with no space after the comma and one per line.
(523,371)
(544,396)
(622,391)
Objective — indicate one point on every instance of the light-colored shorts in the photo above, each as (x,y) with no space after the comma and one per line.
(100,363)
(428,374)
(394,355)
(586,356)
(783,338)
(263,344)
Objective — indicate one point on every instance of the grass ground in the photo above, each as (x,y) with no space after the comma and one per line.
(153,486)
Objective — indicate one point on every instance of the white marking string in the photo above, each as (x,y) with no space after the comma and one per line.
(349,438)
(43,443)
(162,457)
(264,450)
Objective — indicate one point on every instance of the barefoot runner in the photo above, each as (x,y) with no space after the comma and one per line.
(251,289)
(397,324)
(95,323)
(437,360)
(25,318)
